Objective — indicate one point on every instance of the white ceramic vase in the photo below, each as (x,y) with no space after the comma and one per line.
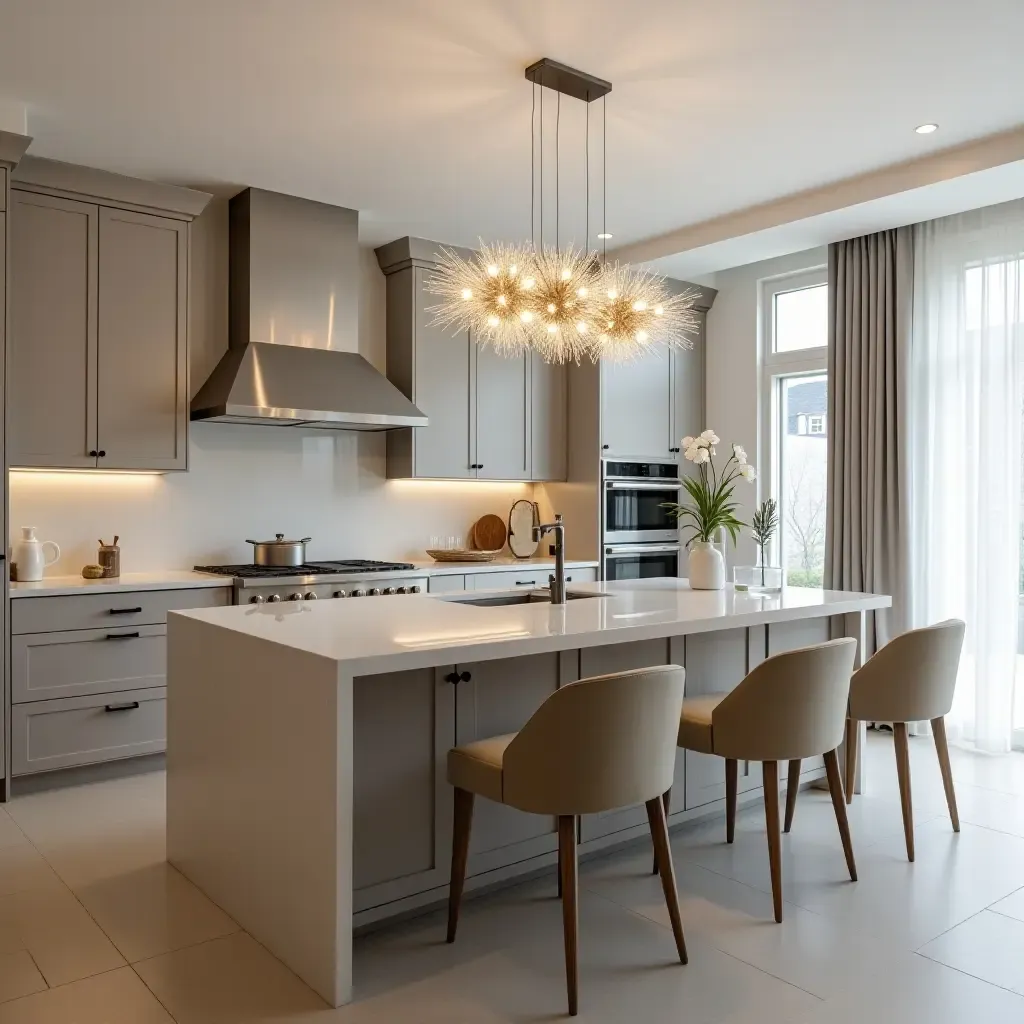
(707,566)
(30,555)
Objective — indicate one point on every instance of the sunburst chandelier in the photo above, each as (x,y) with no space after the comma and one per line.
(563,302)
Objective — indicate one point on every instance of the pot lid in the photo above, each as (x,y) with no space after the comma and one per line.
(279,539)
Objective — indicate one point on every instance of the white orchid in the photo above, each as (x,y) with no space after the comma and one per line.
(709,437)
(739,453)
(687,442)
(697,455)
(748,472)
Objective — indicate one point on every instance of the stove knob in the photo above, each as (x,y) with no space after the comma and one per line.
(274,598)
(294,597)
(311,596)
(359,593)
(340,593)
(403,590)
(256,599)
(375,592)
(414,590)
(389,590)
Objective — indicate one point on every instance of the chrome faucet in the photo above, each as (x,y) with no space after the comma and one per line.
(557,579)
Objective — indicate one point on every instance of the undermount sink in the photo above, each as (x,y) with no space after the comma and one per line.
(527,597)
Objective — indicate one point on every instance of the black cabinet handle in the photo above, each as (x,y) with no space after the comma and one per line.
(452,677)
(465,677)
(673,449)
(130,705)
(93,454)
(476,465)
(606,446)
(102,454)
(125,611)
(123,636)
(525,583)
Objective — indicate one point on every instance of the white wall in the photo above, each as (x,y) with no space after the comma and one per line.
(247,481)
(733,371)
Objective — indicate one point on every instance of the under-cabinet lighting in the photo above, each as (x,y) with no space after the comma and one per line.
(465,486)
(85,477)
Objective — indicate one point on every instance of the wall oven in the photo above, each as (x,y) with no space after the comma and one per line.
(640,561)
(634,495)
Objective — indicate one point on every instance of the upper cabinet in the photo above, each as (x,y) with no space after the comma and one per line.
(99,311)
(490,417)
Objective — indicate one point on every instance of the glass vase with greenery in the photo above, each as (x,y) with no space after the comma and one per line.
(763,526)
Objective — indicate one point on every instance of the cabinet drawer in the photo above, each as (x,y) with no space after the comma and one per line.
(87,661)
(446,584)
(82,730)
(506,580)
(581,575)
(92,611)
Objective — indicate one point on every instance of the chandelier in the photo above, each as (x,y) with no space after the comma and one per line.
(569,302)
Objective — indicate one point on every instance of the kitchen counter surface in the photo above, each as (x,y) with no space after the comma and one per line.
(504,563)
(165,579)
(402,632)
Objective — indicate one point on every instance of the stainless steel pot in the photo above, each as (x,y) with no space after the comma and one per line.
(279,551)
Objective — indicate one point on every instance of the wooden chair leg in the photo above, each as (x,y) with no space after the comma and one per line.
(899,730)
(770,771)
(666,801)
(792,785)
(835,788)
(663,853)
(570,913)
(460,853)
(942,749)
(852,741)
(732,772)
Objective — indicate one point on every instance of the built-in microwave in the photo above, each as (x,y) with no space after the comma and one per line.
(635,495)
(640,561)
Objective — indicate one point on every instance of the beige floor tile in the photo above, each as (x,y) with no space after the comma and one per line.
(65,943)
(989,946)
(227,980)
(1011,906)
(153,910)
(117,997)
(19,975)
(22,867)
(9,831)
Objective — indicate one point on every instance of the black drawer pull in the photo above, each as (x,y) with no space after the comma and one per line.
(123,636)
(126,611)
(525,583)
(130,705)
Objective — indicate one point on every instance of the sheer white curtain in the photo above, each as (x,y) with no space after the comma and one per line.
(965,422)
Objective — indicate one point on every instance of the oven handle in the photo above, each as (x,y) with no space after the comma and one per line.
(642,549)
(643,485)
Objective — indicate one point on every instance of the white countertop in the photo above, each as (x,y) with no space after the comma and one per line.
(404,632)
(159,579)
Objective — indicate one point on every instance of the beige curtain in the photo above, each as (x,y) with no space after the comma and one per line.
(870,308)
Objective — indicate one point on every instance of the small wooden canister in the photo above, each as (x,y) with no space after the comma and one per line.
(110,559)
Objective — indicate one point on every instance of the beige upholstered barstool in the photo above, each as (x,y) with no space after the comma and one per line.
(791,706)
(592,746)
(911,679)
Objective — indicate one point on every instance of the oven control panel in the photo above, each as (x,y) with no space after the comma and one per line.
(369,587)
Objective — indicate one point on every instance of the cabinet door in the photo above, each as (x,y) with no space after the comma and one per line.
(499,697)
(686,369)
(502,415)
(548,439)
(142,404)
(51,397)
(442,392)
(404,728)
(4,632)
(635,407)
(596,661)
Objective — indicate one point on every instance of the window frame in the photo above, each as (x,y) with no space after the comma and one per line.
(775,368)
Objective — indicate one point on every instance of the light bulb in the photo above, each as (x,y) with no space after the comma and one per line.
(566,273)
(493,321)
(611,324)
(582,293)
(502,301)
(612,293)
(526,316)
(552,329)
(659,310)
(581,327)
(467,293)
(493,270)
(513,270)
(551,307)
(641,335)
(639,306)
(528,282)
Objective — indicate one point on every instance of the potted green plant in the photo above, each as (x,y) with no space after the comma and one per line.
(712,506)
(763,526)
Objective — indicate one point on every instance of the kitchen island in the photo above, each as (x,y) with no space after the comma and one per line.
(306,788)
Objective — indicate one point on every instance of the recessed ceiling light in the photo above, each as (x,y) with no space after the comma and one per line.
(926,129)
(605,234)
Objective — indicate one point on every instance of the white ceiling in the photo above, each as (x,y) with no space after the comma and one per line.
(416,112)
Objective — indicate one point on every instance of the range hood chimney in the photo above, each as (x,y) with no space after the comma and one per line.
(293,310)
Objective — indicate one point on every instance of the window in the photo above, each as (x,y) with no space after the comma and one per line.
(794,326)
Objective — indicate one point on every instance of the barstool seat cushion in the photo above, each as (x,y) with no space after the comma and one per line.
(477,766)
(695,722)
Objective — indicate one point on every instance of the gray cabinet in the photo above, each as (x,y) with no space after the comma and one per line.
(490,417)
(636,404)
(52,353)
(686,384)
(402,809)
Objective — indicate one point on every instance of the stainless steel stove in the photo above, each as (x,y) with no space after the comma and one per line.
(353,577)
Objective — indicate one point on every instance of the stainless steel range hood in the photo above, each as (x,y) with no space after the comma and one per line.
(294,291)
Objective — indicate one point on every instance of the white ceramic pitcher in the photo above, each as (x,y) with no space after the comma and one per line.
(30,555)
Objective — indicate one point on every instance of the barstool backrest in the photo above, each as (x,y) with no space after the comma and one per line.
(793,705)
(597,744)
(912,678)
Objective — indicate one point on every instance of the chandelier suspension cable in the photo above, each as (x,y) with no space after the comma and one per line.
(586,164)
(541,139)
(604,179)
(558,161)
(533,168)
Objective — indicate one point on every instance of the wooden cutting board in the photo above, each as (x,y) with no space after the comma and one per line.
(489,533)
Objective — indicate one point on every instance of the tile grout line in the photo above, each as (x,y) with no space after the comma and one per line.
(967,974)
